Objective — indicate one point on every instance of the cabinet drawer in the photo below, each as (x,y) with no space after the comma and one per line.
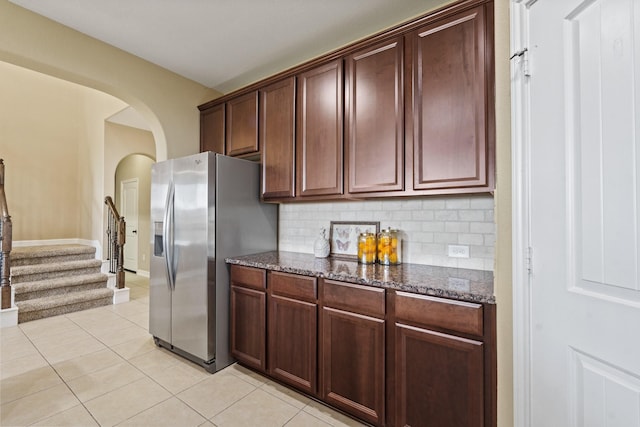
(459,316)
(292,285)
(249,277)
(354,298)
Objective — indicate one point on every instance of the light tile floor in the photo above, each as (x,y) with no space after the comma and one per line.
(101,367)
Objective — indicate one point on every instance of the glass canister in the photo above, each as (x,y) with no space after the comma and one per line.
(389,247)
(367,248)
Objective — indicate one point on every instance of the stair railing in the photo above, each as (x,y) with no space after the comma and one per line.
(116,231)
(5,245)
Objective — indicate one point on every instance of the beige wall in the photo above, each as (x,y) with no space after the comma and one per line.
(502,271)
(51,138)
(167,101)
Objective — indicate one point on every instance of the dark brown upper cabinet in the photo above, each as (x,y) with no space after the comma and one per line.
(448,70)
(242,125)
(374,118)
(406,112)
(277,138)
(212,129)
(319,141)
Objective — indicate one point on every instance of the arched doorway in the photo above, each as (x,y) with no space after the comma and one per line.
(132,197)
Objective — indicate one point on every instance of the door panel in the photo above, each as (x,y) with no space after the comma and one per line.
(277,138)
(449,102)
(584,140)
(353,363)
(319,141)
(159,289)
(374,128)
(190,296)
(129,205)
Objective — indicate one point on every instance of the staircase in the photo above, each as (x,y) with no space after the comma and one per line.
(57,279)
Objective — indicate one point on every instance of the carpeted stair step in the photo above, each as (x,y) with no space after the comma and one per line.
(31,273)
(55,305)
(50,254)
(59,286)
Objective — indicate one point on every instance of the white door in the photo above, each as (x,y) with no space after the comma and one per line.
(129,204)
(580,165)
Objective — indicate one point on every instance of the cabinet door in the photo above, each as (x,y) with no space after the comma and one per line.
(212,129)
(375,118)
(292,342)
(439,379)
(319,131)
(353,363)
(248,326)
(449,108)
(242,125)
(277,138)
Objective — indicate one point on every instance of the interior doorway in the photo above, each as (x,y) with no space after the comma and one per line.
(133,171)
(129,204)
(576,213)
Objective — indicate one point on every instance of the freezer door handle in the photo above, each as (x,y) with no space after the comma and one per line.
(168,230)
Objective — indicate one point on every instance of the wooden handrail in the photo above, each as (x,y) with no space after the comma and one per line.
(116,237)
(5,245)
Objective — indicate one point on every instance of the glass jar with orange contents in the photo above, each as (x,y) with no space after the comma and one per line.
(389,247)
(367,248)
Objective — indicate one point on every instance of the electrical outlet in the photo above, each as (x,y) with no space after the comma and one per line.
(458,251)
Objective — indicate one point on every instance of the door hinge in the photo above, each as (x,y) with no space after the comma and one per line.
(523,54)
(528,261)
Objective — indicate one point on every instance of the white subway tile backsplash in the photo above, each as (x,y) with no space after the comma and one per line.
(433,226)
(482,227)
(456,227)
(446,215)
(481,203)
(451,238)
(428,226)
(433,204)
(470,239)
(400,215)
(489,239)
(471,215)
(422,215)
(462,203)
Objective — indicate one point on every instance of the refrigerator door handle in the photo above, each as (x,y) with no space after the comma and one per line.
(168,235)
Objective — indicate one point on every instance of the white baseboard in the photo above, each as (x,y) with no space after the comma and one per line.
(96,244)
(120,295)
(143,273)
(9,317)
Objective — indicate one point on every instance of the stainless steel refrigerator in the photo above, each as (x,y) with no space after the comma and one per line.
(204,208)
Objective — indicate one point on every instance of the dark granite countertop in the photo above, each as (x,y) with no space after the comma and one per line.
(455,283)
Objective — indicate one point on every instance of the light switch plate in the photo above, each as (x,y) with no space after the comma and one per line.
(458,251)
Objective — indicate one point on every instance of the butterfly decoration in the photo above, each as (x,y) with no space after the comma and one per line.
(343,233)
(343,246)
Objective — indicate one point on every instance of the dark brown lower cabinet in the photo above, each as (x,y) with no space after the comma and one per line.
(248,316)
(439,379)
(353,350)
(353,364)
(292,342)
(385,356)
(292,326)
(444,362)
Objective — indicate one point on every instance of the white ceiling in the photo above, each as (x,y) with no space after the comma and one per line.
(227,44)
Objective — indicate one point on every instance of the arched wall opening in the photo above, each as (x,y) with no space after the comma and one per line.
(136,169)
